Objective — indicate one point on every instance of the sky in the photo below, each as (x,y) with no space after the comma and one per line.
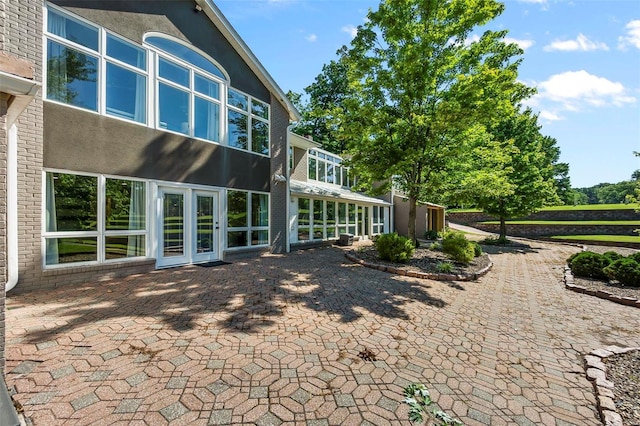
(583,56)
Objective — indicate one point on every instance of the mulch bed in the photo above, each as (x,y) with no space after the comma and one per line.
(623,371)
(425,260)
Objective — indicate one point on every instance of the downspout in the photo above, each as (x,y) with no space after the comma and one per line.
(12,208)
(287,175)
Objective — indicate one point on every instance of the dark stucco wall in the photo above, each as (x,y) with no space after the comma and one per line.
(132,19)
(84,141)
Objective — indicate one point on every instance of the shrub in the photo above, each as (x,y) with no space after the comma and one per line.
(612,256)
(431,234)
(437,246)
(491,241)
(625,270)
(589,264)
(477,250)
(456,245)
(635,256)
(573,256)
(444,267)
(394,247)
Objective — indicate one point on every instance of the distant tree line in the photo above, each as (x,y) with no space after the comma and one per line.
(603,193)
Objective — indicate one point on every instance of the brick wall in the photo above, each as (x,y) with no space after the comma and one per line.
(278,216)
(628,214)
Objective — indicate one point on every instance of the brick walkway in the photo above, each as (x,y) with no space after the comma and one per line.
(275,340)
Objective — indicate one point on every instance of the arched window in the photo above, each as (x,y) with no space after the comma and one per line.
(189,88)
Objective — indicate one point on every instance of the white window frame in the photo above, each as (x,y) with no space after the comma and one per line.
(249,228)
(328,159)
(100,233)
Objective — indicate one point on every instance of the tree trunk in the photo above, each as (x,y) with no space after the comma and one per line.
(503,228)
(412,219)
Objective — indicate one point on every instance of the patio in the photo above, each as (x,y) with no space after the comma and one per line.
(279,340)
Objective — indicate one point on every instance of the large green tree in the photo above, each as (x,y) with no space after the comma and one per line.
(323,106)
(528,173)
(418,86)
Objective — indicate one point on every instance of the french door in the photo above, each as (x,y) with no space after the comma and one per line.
(188,226)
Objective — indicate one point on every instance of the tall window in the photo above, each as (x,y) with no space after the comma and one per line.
(316,219)
(325,167)
(378,219)
(247,219)
(93,219)
(93,69)
(248,120)
(77,60)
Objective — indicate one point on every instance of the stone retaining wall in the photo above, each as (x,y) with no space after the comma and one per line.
(629,214)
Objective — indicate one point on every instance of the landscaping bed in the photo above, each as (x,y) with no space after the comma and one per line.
(425,260)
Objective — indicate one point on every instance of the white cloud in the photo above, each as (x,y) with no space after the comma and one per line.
(576,91)
(550,116)
(524,44)
(351,30)
(633,35)
(581,43)
(543,3)
(311,38)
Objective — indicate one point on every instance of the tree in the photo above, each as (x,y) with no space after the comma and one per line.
(320,115)
(530,173)
(418,85)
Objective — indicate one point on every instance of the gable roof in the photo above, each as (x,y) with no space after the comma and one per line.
(219,20)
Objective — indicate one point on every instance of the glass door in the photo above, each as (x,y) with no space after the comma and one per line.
(172,231)
(205,226)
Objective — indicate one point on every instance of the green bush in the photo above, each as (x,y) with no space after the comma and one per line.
(431,235)
(437,246)
(625,270)
(456,245)
(573,256)
(612,256)
(589,264)
(394,248)
(635,256)
(477,250)
(444,267)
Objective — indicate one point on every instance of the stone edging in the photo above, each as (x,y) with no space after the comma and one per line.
(423,275)
(596,373)
(569,284)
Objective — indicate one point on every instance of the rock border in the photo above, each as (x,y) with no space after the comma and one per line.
(597,374)
(569,284)
(423,275)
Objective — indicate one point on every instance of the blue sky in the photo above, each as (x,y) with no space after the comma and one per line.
(582,55)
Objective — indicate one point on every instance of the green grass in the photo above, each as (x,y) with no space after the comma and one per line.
(568,222)
(567,208)
(608,238)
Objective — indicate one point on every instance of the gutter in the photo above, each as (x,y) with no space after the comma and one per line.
(23,91)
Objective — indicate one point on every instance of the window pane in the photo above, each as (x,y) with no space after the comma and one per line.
(120,247)
(338,177)
(71,202)
(318,212)
(238,100)
(331,213)
(126,94)
(321,171)
(342,229)
(375,214)
(174,109)
(331,231)
(71,76)
(330,169)
(352,230)
(259,137)
(71,29)
(207,119)
(173,227)
(205,242)
(185,53)
(318,233)
(237,209)
(259,237)
(260,109)
(352,213)
(312,168)
(174,72)
(303,212)
(71,250)
(126,205)
(342,213)
(207,86)
(238,130)
(126,52)
(237,239)
(259,210)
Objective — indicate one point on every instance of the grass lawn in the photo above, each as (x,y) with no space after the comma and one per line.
(609,238)
(567,222)
(567,208)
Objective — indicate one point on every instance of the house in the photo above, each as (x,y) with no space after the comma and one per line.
(322,205)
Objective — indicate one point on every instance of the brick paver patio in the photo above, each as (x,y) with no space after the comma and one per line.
(275,340)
